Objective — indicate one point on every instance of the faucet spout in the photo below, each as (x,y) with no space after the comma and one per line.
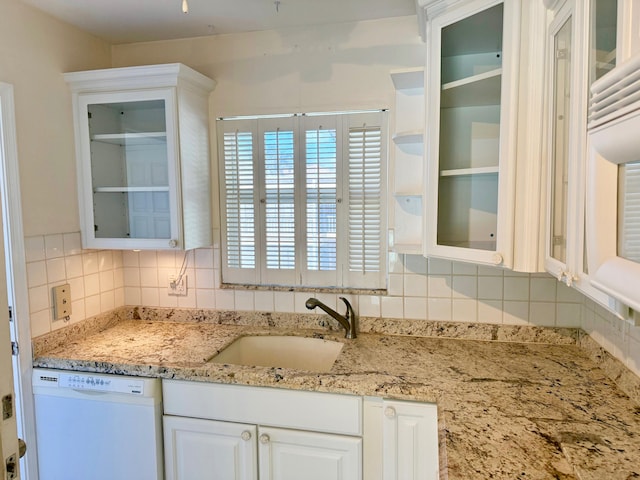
(348,320)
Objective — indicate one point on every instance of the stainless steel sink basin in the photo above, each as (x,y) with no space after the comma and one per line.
(299,353)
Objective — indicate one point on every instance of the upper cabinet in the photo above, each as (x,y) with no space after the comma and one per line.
(581,47)
(142,155)
(471,132)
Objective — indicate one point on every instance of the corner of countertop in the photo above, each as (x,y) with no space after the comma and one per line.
(613,368)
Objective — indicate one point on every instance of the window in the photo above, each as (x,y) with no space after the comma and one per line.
(302,200)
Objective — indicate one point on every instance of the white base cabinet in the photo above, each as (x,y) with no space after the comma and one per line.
(231,432)
(197,449)
(400,440)
(292,455)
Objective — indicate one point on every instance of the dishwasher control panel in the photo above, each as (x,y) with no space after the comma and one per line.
(89,382)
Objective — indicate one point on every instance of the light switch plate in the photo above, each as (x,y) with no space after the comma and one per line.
(61,301)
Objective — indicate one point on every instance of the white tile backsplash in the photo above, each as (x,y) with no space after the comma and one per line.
(56,271)
(54,246)
(36,273)
(72,243)
(52,260)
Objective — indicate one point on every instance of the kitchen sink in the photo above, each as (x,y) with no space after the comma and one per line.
(285,351)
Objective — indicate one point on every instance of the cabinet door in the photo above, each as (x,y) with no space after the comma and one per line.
(471,131)
(410,441)
(562,145)
(198,449)
(128,169)
(293,455)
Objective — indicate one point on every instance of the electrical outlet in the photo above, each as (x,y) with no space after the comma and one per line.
(61,301)
(177,287)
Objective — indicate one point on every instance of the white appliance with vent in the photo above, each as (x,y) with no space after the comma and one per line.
(613,207)
(98,427)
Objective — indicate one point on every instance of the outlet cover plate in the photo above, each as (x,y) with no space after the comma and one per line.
(175,287)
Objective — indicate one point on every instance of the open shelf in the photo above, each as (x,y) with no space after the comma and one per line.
(408,78)
(477,90)
(146,138)
(409,136)
(469,171)
(129,189)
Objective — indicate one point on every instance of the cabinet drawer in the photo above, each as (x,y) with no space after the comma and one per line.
(320,412)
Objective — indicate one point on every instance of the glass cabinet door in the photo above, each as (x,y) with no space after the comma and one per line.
(604,24)
(471,132)
(471,74)
(560,135)
(130,174)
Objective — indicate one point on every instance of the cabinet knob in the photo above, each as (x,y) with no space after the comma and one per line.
(390,412)
(246,435)
(264,439)
(497,258)
(173,243)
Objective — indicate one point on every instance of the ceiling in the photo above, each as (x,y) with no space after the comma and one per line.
(127,21)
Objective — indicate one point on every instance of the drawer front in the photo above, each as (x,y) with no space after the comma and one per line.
(321,412)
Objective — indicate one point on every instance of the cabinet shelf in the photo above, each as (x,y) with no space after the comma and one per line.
(469,171)
(145,138)
(477,90)
(409,136)
(409,78)
(130,189)
(489,245)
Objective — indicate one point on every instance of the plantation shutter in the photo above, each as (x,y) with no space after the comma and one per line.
(237,154)
(629,220)
(322,175)
(366,221)
(302,200)
(278,149)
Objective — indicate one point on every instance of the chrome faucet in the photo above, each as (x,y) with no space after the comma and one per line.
(348,321)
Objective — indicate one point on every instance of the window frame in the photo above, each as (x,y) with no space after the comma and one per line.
(301,276)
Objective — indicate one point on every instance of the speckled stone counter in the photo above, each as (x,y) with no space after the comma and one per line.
(538,407)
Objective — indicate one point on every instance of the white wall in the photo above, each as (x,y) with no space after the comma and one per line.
(35,50)
(303,69)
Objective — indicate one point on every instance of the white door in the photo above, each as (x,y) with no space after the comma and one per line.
(9,467)
(293,454)
(8,426)
(197,449)
(410,441)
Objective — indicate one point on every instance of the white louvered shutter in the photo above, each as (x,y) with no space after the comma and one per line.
(278,148)
(302,200)
(238,156)
(629,216)
(322,184)
(366,223)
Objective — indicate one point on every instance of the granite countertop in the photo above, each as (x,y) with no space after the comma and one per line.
(525,410)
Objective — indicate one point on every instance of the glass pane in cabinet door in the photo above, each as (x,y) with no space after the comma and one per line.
(560,133)
(469,143)
(129,169)
(604,23)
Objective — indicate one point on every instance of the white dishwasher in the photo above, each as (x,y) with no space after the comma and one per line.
(97,427)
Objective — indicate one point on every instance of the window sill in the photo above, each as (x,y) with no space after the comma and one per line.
(281,288)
